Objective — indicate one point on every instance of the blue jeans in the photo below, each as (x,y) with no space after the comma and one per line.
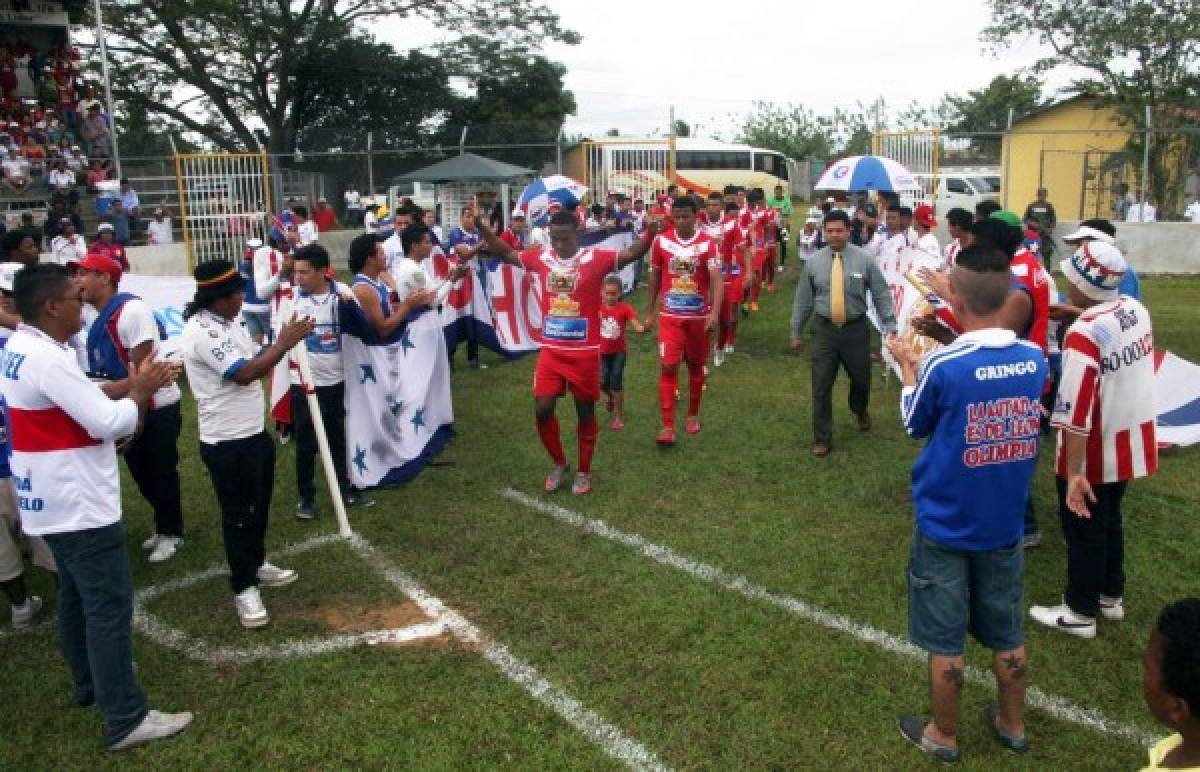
(95,617)
(952,592)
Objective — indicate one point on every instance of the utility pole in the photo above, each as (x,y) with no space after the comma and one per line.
(671,146)
(108,101)
(1007,155)
(370,163)
(1146,166)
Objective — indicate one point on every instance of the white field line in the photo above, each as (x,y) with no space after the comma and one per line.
(1053,705)
(607,736)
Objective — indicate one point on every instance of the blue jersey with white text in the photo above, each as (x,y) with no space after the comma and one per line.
(978,402)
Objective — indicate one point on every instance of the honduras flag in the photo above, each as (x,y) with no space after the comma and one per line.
(399,414)
(535,199)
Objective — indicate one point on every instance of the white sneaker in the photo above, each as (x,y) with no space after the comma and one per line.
(274,576)
(150,543)
(719,357)
(250,609)
(23,615)
(165,549)
(155,726)
(1063,618)
(1112,609)
(728,348)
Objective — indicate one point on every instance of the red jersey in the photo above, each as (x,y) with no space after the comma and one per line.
(571,295)
(113,250)
(612,327)
(683,266)
(713,228)
(733,238)
(1029,275)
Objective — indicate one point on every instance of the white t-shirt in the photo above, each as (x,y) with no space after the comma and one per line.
(324,346)
(352,199)
(15,167)
(65,250)
(370,222)
(214,349)
(60,179)
(307,231)
(1135,213)
(1193,211)
(135,326)
(393,250)
(929,243)
(160,232)
(62,427)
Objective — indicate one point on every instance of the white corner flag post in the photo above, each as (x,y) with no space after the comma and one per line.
(314,410)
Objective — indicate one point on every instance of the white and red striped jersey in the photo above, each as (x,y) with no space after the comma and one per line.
(714,228)
(1107,392)
(950,254)
(62,428)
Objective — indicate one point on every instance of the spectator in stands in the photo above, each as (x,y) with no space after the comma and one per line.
(30,229)
(16,171)
(58,210)
(158,230)
(35,154)
(324,217)
(18,247)
(87,100)
(95,175)
(61,183)
(106,245)
(130,200)
(120,221)
(96,132)
(68,246)
(77,161)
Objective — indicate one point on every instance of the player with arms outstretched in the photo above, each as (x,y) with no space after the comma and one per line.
(571,282)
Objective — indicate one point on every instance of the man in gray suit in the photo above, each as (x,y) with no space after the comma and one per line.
(834,284)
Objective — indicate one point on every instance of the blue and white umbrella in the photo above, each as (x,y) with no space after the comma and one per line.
(535,199)
(866,172)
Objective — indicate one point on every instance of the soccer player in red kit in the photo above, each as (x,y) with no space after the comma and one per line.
(758,225)
(736,270)
(571,281)
(686,267)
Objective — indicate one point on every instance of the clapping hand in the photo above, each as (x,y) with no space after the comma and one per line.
(937,281)
(903,353)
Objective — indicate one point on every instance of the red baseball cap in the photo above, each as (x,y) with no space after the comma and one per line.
(924,215)
(99,264)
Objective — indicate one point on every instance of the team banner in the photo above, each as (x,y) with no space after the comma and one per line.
(910,298)
(399,413)
(497,304)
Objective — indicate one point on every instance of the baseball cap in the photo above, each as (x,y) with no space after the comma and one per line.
(99,264)
(1097,229)
(104,226)
(924,215)
(250,243)
(1096,270)
(518,212)
(1009,217)
(8,274)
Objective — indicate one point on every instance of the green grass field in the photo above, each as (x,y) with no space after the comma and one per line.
(701,676)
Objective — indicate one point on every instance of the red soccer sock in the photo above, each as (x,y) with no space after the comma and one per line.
(548,431)
(695,390)
(667,385)
(587,431)
(770,272)
(756,290)
(731,336)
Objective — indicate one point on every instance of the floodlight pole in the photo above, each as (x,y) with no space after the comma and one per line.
(1008,155)
(1146,166)
(108,100)
(370,164)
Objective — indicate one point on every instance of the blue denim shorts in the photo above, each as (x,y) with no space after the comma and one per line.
(953,592)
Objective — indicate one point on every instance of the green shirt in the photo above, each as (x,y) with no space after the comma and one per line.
(781,205)
(860,273)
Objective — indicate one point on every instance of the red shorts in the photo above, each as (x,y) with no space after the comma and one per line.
(557,371)
(735,292)
(760,257)
(683,340)
(773,253)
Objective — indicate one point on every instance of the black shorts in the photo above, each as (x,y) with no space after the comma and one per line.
(612,371)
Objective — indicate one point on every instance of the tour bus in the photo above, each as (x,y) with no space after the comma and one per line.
(639,167)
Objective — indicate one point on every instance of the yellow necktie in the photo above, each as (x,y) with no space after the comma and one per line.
(837,291)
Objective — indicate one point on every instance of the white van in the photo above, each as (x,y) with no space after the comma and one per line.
(951,188)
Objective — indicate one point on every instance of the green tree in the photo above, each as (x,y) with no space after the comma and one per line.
(1135,53)
(793,130)
(682,129)
(223,69)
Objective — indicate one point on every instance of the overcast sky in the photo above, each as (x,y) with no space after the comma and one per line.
(712,60)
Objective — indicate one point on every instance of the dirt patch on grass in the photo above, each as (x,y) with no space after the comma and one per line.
(344,619)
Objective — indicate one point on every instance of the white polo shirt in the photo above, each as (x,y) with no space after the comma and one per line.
(214,349)
(67,250)
(62,428)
